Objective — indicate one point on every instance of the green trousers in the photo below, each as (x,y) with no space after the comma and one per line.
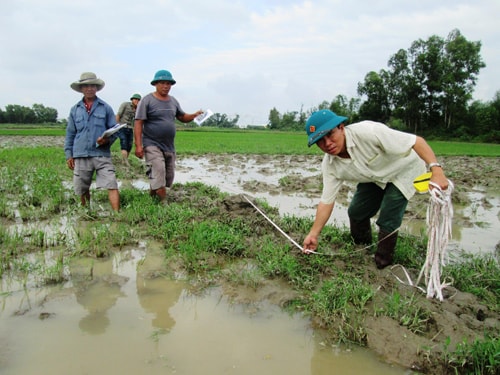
(369,199)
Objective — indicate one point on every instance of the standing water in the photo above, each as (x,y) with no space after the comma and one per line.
(121,316)
(475,225)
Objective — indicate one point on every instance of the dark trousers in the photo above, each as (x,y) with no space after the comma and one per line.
(369,199)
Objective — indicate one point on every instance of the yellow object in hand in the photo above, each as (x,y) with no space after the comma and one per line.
(421,183)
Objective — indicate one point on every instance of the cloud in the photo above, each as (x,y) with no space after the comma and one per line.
(233,57)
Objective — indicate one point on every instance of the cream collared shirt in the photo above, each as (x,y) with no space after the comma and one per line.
(379,154)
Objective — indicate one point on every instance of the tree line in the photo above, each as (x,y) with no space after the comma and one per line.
(427,89)
(37,114)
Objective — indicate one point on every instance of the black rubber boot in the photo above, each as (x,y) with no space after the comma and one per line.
(385,248)
(361,232)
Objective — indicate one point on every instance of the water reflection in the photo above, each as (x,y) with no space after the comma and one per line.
(125,317)
(157,293)
(97,291)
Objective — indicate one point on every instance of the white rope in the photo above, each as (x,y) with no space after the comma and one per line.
(273,223)
(408,281)
(307,251)
(439,220)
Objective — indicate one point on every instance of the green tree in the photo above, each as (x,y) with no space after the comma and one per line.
(289,120)
(463,63)
(427,64)
(376,107)
(483,121)
(323,105)
(344,106)
(274,119)
(431,83)
(17,114)
(221,120)
(44,114)
(404,91)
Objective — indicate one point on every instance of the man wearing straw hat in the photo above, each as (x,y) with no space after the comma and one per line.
(85,149)
(383,162)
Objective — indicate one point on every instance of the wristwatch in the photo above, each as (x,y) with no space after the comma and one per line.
(431,165)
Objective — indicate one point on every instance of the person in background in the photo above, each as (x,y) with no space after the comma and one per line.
(85,149)
(383,162)
(126,115)
(154,132)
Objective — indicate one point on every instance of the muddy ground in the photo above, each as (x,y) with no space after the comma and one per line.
(459,317)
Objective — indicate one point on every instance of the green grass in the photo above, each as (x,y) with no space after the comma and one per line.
(480,357)
(196,141)
(199,236)
(479,275)
(465,149)
(32,129)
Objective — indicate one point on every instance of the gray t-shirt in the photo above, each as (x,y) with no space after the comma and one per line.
(159,121)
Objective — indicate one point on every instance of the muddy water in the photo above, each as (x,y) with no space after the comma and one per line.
(124,317)
(475,225)
(121,316)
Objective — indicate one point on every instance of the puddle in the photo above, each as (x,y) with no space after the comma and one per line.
(477,234)
(124,317)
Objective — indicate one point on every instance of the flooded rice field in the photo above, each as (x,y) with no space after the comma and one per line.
(123,315)
(292,183)
(126,318)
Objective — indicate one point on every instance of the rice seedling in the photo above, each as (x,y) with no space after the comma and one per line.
(339,304)
(53,273)
(94,239)
(479,357)
(204,240)
(276,260)
(406,311)
(244,274)
(479,275)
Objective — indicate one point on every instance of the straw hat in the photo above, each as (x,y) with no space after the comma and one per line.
(87,78)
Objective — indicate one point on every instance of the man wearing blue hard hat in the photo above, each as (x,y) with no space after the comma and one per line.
(154,132)
(383,162)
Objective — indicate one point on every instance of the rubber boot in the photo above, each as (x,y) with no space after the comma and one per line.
(385,248)
(361,232)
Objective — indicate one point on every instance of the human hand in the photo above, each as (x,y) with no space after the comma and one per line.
(310,244)
(71,163)
(101,141)
(438,178)
(139,152)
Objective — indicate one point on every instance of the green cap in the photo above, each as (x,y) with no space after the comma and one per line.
(163,75)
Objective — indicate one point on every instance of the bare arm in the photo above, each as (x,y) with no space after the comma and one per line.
(188,117)
(424,151)
(139,151)
(323,213)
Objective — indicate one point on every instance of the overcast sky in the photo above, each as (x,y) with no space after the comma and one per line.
(230,56)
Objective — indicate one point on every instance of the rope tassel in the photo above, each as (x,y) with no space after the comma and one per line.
(439,232)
